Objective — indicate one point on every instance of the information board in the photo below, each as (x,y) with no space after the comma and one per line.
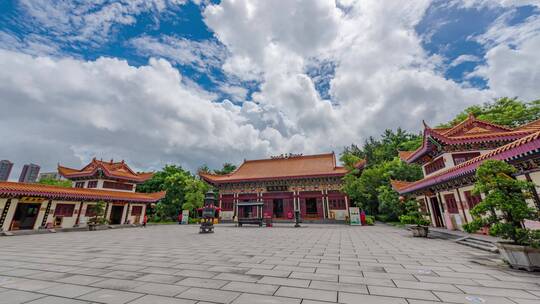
(354,216)
(185,217)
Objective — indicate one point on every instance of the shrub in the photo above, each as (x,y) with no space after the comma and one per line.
(370,220)
(504,207)
(413,215)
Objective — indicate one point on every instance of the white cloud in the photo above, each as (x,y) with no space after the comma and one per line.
(199,54)
(89,21)
(106,108)
(464,58)
(150,115)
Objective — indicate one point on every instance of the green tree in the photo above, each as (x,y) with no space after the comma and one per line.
(181,187)
(365,189)
(377,151)
(504,207)
(55,182)
(227,168)
(505,111)
(413,215)
(390,208)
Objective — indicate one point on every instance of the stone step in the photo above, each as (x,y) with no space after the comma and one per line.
(478,244)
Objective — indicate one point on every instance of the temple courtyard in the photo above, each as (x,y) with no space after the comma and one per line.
(314,264)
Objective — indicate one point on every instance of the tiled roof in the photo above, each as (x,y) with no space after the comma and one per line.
(470,131)
(55,192)
(399,185)
(293,167)
(118,170)
(509,151)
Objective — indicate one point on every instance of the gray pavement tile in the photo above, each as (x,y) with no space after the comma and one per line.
(426,286)
(159,278)
(117,284)
(211,295)
(492,291)
(81,279)
(470,298)
(506,284)
(56,300)
(354,298)
(314,276)
(152,299)
(125,275)
(160,289)
(247,298)
(68,290)
(29,285)
(110,296)
(402,293)
(196,273)
(251,287)
(238,277)
(205,283)
(306,293)
(267,272)
(284,282)
(366,281)
(347,287)
(17,296)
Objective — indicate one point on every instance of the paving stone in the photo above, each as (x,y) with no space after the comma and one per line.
(272,273)
(160,300)
(238,277)
(251,287)
(247,298)
(314,276)
(366,281)
(117,284)
(211,295)
(159,278)
(497,292)
(284,282)
(402,293)
(356,288)
(68,290)
(56,300)
(206,283)
(17,296)
(160,289)
(110,296)
(81,279)
(306,293)
(29,285)
(470,298)
(354,298)
(126,275)
(426,286)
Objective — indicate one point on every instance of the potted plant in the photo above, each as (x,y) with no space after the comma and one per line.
(504,210)
(99,216)
(416,219)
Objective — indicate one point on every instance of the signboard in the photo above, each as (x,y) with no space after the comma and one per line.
(185,217)
(354,216)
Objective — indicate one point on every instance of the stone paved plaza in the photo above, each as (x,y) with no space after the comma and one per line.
(314,264)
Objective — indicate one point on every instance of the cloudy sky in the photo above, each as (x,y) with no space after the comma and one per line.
(195,82)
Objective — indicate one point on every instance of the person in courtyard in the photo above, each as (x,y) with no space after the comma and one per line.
(145,220)
(180,218)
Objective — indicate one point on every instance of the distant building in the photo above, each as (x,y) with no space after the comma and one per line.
(50,175)
(29,173)
(5,169)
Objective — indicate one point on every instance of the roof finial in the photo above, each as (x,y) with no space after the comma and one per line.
(471,115)
(425,124)
(111,161)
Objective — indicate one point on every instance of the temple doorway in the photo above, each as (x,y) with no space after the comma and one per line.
(116,215)
(25,216)
(277,208)
(311,206)
(437,216)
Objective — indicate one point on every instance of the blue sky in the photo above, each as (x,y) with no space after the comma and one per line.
(245,79)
